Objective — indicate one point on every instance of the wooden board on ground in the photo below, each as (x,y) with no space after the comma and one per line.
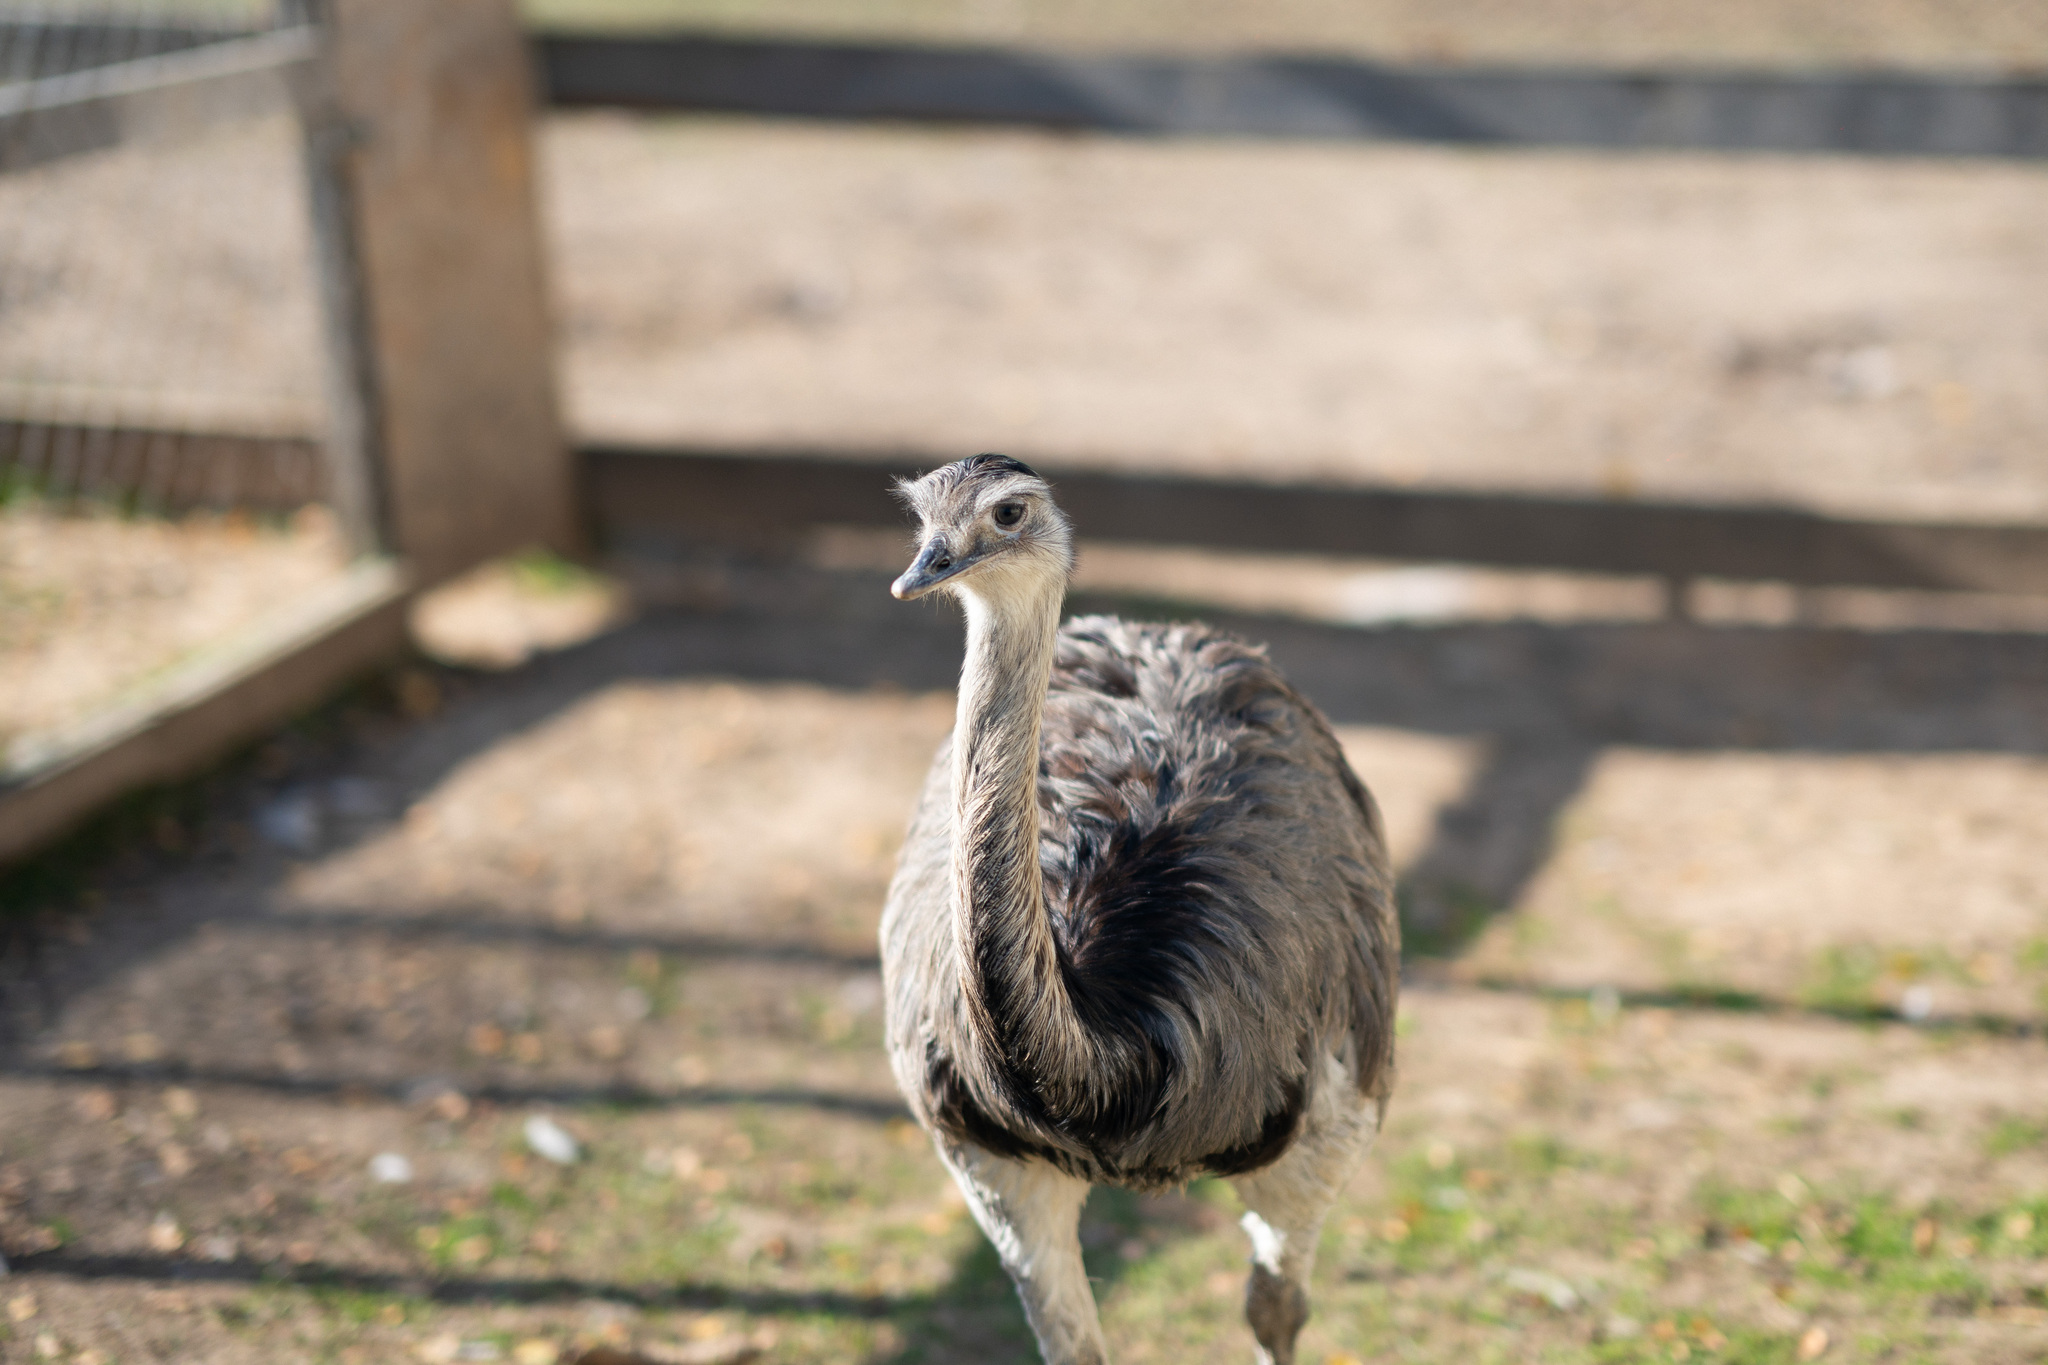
(227,696)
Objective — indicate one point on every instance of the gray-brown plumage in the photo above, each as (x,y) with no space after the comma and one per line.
(1142,927)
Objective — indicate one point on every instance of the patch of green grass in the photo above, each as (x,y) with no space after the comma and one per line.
(2014,1134)
(1714,996)
(463,1243)
(1542,1154)
(1867,1243)
(512,1199)
(2033,956)
(828,1021)
(546,574)
(1413,1265)
(659,976)
(1705,1341)
(1438,918)
(364,1306)
(1444,1209)
(1843,980)
(2020,1228)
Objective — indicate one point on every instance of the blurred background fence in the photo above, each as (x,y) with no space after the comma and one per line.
(156,263)
(281,268)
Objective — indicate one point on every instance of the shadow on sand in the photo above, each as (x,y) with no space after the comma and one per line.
(1542,700)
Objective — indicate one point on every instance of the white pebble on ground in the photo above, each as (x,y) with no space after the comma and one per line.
(548,1140)
(390,1168)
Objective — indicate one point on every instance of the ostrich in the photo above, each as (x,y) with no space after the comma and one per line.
(1141,929)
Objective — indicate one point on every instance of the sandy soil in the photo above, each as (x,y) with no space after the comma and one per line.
(1859,336)
(632,887)
(95,604)
(1795,874)
(163,285)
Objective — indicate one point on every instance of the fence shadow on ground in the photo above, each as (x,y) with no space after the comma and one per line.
(1543,700)
(973,1318)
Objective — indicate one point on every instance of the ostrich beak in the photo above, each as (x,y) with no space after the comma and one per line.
(934,565)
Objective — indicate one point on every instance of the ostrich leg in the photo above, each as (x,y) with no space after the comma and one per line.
(1286,1203)
(1032,1213)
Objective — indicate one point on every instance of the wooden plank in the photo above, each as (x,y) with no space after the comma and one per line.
(448,443)
(236,691)
(767,501)
(1272,95)
(762,501)
(1257,95)
(149,99)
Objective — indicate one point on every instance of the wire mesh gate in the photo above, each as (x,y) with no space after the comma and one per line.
(156,268)
(212,444)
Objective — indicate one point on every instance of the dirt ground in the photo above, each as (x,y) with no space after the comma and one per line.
(1860,336)
(94,603)
(1863,336)
(1662,1093)
(163,285)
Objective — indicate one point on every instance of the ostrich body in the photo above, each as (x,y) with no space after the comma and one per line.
(1142,926)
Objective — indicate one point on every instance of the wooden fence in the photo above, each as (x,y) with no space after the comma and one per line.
(444,447)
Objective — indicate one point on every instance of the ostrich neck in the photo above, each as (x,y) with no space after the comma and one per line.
(1017,998)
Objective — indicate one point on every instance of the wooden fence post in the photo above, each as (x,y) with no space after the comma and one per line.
(445,438)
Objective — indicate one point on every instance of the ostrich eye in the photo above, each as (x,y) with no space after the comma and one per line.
(1009,513)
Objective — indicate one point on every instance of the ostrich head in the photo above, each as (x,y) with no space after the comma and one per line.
(987,529)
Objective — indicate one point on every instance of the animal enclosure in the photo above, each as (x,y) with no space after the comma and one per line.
(1659,525)
(122,371)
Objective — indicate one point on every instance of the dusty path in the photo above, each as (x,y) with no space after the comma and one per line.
(1860,336)
(92,603)
(633,887)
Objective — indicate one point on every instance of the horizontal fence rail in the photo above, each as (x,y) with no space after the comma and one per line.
(664,499)
(1280,96)
(94,84)
(767,500)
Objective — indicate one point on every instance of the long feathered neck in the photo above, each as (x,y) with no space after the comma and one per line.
(1017,998)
